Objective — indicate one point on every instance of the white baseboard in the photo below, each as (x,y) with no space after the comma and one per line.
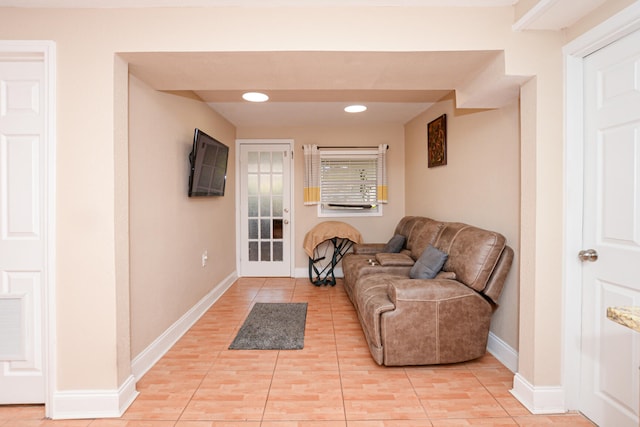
(154,352)
(503,352)
(304,272)
(83,404)
(539,400)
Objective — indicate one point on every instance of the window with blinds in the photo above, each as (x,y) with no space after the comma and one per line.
(348,184)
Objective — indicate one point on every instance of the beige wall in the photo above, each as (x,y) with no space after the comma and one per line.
(87,41)
(90,255)
(522,7)
(168,230)
(600,14)
(480,185)
(373,229)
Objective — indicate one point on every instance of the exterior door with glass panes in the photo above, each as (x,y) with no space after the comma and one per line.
(265,197)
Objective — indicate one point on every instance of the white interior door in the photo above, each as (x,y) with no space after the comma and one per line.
(22,230)
(265,208)
(610,352)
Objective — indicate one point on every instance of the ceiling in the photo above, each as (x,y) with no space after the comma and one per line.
(312,88)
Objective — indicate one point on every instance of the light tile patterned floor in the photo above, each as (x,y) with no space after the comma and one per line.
(332,382)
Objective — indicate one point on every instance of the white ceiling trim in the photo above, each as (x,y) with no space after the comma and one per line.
(111,4)
(533,15)
(555,14)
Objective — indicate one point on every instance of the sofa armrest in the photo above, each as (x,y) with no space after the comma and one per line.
(434,321)
(425,290)
(394,259)
(368,248)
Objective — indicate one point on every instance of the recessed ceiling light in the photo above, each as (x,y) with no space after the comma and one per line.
(355,108)
(255,97)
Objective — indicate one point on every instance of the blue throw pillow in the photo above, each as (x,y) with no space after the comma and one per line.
(395,244)
(429,264)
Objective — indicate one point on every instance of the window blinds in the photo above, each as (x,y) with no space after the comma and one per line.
(349,182)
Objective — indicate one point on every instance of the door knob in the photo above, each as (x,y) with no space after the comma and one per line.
(588,255)
(286,221)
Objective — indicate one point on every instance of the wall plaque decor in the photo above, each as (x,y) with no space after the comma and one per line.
(437,142)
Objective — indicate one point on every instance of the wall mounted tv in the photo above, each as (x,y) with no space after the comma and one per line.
(208,159)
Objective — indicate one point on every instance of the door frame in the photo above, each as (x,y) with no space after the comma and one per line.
(624,23)
(45,51)
(266,141)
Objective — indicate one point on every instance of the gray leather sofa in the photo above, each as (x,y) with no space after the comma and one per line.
(445,319)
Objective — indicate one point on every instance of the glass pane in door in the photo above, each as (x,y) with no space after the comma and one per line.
(265,177)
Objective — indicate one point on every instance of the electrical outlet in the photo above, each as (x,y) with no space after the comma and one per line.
(205,257)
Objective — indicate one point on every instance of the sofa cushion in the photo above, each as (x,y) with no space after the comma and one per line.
(385,259)
(355,266)
(473,253)
(405,225)
(368,248)
(395,244)
(429,264)
(423,234)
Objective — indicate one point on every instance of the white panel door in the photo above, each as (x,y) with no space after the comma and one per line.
(22,231)
(610,352)
(265,204)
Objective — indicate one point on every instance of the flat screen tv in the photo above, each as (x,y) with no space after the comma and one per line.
(208,159)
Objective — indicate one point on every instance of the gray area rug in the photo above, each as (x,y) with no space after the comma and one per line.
(272,326)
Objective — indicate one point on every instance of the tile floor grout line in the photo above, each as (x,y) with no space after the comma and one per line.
(266,400)
(196,389)
(491,394)
(422,405)
(335,340)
